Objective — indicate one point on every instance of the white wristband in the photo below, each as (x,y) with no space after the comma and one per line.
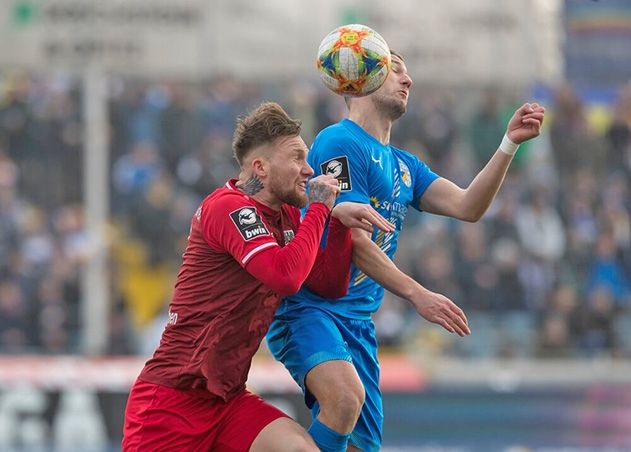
(507,146)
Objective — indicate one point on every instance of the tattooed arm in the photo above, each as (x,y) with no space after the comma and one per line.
(323,189)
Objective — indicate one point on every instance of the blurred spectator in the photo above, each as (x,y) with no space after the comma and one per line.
(133,173)
(390,321)
(555,338)
(606,273)
(181,127)
(474,272)
(486,128)
(542,236)
(575,145)
(618,134)
(10,234)
(581,222)
(53,317)
(508,292)
(430,121)
(16,326)
(598,333)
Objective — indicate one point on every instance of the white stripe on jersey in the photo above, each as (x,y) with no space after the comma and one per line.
(256,250)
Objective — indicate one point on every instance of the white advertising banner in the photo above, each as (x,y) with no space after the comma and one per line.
(451,41)
(145,37)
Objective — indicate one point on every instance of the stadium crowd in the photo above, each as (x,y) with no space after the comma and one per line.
(546,273)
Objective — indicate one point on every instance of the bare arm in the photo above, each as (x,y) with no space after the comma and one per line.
(443,197)
(436,308)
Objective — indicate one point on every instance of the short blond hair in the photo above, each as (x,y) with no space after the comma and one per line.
(262,126)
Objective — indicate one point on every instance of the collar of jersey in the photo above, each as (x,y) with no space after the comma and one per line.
(357,129)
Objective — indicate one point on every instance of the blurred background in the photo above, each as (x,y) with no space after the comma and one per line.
(116,120)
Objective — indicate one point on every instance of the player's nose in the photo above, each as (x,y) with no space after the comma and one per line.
(407,80)
(307,170)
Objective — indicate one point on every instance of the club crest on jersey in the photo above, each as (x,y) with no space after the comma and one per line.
(406,177)
(338,167)
(249,223)
(288,236)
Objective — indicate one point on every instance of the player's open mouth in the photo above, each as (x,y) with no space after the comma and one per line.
(405,93)
(303,186)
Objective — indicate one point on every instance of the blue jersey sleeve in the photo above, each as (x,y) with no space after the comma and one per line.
(423,178)
(337,152)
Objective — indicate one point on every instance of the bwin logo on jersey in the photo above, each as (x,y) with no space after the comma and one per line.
(247,216)
(334,168)
(249,223)
(339,168)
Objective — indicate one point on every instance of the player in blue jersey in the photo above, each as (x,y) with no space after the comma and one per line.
(329,346)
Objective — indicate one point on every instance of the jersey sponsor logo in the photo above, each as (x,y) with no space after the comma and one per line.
(249,223)
(338,167)
(288,236)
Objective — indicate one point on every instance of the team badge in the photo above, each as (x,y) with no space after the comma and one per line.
(249,223)
(288,236)
(406,177)
(338,167)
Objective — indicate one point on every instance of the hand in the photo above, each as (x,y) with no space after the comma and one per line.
(362,216)
(324,189)
(438,309)
(525,123)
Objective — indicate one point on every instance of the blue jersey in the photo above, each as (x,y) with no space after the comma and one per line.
(389,179)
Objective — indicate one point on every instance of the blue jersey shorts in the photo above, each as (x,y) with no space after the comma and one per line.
(304,336)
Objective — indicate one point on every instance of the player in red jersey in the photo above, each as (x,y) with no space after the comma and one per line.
(246,249)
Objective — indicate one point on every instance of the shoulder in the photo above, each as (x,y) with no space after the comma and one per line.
(337,140)
(411,160)
(338,133)
(405,155)
(223,202)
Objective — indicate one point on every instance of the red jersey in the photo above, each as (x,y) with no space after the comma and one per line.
(220,311)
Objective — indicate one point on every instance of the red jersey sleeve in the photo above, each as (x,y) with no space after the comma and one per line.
(331,272)
(239,229)
(285,269)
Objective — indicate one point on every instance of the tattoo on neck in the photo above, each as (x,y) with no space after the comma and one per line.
(252,186)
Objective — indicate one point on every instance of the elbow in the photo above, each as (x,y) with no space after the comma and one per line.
(472,217)
(286,287)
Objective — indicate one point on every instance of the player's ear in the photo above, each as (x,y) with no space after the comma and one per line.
(260,167)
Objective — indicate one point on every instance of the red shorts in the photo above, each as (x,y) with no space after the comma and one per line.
(161,418)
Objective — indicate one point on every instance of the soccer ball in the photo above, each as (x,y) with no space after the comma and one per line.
(353,60)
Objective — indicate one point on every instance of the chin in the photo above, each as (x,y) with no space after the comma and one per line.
(392,107)
(399,109)
(297,199)
(302,201)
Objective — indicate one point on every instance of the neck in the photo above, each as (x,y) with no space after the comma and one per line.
(367,117)
(254,188)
